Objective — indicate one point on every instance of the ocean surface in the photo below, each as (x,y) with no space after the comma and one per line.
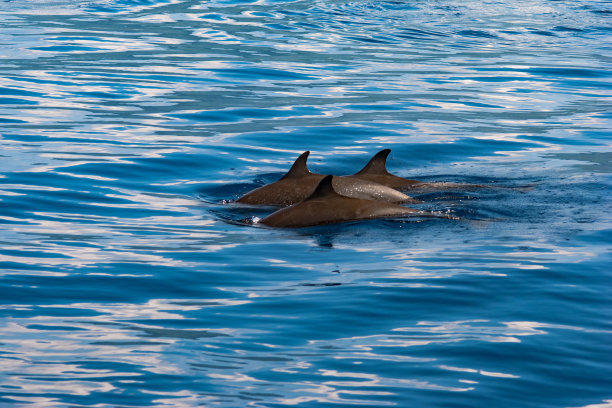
(129,278)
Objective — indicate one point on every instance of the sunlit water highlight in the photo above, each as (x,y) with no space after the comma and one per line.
(129,279)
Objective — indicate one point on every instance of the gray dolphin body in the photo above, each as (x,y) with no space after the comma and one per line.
(326,206)
(376,171)
(299,183)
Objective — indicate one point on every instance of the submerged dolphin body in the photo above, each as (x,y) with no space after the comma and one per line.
(299,183)
(326,206)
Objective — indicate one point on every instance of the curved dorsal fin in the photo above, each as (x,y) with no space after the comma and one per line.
(299,168)
(324,189)
(377,164)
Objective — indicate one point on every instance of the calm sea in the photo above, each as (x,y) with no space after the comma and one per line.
(129,279)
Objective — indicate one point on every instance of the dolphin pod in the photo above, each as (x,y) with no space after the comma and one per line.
(326,206)
(299,183)
(316,199)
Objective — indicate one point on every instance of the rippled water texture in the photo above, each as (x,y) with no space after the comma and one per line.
(129,279)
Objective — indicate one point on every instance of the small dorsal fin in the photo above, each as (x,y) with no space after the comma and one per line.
(377,164)
(299,168)
(324,189)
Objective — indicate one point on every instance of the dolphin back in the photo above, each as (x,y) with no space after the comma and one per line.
(326,206)
(377,164)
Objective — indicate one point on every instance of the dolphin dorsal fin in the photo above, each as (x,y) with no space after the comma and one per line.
(324,189)
(377,164)
(299,168)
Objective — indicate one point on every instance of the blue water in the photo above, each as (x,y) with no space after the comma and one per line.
(128,280)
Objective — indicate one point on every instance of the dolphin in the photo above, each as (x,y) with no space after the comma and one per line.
(326,206)
(299,183)
(376,171)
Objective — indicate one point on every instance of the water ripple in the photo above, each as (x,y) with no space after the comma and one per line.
(129,278)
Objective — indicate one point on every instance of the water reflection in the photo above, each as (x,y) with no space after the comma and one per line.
(120,287)
(135,336)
